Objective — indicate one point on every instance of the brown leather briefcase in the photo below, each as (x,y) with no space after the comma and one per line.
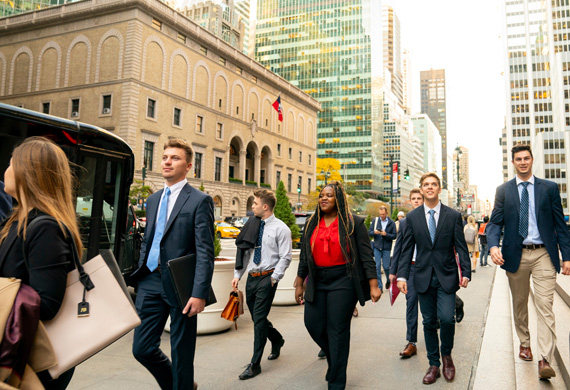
(234,307)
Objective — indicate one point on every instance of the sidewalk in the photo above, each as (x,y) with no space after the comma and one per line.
(378,335)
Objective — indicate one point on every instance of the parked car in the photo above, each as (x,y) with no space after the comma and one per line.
(301,219)
(225,230)
(238,222)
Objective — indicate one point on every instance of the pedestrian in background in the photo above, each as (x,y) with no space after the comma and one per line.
(265,264)
(383,231)
(484,248)
(471,238)
(5,203)
(401,216)
(39,178)
(530,211)
(180,222)
(337,257)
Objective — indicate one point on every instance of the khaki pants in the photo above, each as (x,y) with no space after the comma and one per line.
(535,262)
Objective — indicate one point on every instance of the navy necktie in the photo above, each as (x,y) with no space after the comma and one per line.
(523,221)
(432,226)
(154,254)
(257,252)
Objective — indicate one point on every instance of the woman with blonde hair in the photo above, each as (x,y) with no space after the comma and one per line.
(471,238)
(39,179)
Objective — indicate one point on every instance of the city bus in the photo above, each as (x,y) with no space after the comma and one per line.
(103,164)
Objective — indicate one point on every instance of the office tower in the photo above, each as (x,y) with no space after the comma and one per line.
(220,17)
(407,80)
(432,85)
(506,154)
(428,134)
(392,51)
(13,7)
(243,8)
(333,51)
(538,98)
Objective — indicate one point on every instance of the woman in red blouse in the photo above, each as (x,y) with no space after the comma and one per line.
(337,257)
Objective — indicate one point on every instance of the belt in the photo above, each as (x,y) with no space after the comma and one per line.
(413,262)
(262,273)
(157,270)
(534,246)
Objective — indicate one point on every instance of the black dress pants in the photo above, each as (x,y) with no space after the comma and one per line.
(328,319)
(259,297)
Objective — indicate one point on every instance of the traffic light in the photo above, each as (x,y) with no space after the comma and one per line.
(407,174)
(144,173)
(299,188)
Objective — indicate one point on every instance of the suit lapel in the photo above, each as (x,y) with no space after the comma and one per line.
(514,194)
(537,196)
(182,198)
(440,222)
(423,223)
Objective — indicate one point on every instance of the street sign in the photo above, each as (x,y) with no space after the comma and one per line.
(468,196)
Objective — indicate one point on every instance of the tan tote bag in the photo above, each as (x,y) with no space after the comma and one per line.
(96,311)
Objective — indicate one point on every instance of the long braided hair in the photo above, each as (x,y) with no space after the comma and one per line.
(345,223)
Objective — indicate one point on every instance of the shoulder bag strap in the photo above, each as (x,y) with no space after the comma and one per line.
(83,276)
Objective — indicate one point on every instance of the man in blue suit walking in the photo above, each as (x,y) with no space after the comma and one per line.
(383,230)
(180,222)
(530,211)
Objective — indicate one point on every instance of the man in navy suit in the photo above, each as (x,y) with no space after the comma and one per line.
(383,230)
(435,232)
(180,221)
(416,199)
(531,213)
(5,203)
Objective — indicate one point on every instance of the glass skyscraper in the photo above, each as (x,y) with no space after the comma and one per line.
(333,51)
(538,98)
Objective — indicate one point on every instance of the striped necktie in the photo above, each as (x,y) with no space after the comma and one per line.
(523,221)
(432,226)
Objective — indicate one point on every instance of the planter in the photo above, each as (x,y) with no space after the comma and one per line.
(285,294)
(210,320)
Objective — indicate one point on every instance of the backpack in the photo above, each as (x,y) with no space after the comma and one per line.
(483,234)
(470,234)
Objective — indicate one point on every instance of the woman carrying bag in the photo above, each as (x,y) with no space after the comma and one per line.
(337,257)
(39,178)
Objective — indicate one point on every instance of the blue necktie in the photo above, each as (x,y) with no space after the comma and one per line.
(523,221)
(432,226)
(154,254)
(257,252)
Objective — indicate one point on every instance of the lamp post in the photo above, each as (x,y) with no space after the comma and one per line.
(458,153)
(327,174)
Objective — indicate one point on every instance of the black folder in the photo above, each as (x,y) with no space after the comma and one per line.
(182,271)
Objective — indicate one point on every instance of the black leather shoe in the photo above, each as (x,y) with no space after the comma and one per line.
(322,354)
(388,284)
(250,371)
(459,313)
(276,349)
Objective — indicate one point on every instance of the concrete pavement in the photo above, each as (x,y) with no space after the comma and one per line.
(378,335)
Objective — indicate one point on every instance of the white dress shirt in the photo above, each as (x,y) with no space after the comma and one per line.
(174,192)
(533,236)
(437,209)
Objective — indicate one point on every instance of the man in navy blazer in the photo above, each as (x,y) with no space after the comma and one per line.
(180,221)
(530,211)
(383,230)
(435,232)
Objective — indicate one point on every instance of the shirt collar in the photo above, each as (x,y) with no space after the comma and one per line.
(437,208)
(176,187)
(269,219)
(519,180)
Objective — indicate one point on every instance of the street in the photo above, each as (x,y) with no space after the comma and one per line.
(378,335)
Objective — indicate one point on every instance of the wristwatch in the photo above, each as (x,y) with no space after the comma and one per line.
(273,282)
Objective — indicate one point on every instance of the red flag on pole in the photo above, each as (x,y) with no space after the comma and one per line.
(279,108)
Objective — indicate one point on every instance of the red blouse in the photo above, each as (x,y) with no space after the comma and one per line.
(326,247)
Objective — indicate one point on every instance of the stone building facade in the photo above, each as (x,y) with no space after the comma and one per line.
(147,73)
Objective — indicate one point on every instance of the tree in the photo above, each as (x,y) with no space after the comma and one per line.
(356,199)
(217,243)
(368,221)
(312,200)
(331,165)
(138,191)
(283,211)
(201,187)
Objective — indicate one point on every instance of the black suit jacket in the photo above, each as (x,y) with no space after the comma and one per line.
(438,257)
(49,260)
(189,229)
(398,248)
(5,203)
(364,266)
(549,218)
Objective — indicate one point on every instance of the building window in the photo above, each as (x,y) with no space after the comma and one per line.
(199,124)
(289,179)
(148,154)
(75,108)
(220,104)
(218,169)
(309,161)
(237,110)
(222,61)
(203,50)
(238,70)
(278,150)
(177,115)
(219,131)
(254,79)
(106,104)
(181,38)
(46,107)
(308,185)
(266,122)
(277,178)
(198,165)
(300,156)
(156,24)
(151,108)
(290,153)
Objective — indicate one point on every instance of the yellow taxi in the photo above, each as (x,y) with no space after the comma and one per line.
(225,230)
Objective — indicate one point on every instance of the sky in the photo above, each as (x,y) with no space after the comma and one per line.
(465,39)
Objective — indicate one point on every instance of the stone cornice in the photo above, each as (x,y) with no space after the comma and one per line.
(73,12)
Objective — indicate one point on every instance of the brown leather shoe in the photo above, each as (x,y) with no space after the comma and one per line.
(448,368)
(195,386)
(525,353)
(431,375)
(409,351)
(544,369)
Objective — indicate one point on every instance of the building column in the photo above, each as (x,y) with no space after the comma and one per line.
(270,174)
(242,162)
(257,168)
